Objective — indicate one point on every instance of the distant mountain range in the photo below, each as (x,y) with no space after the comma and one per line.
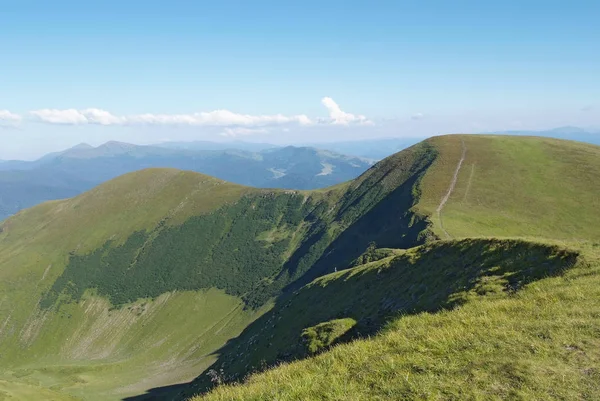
(373,149)
(380,148)
(68,173)
(208,145)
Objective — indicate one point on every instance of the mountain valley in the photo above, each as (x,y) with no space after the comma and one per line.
(464,258)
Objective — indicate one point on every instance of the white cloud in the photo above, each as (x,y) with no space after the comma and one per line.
(417,116)
(69,116)
(339,117)
(213,118)
(102,117)
(218,118)
(8,119)
(240,131)
(76,117)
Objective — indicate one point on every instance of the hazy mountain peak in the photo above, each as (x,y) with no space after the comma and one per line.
(82,146)
(117,145)
(569,129)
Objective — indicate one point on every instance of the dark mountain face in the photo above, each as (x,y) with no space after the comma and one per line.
(68,173)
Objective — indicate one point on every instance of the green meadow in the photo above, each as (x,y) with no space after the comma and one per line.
(465,267)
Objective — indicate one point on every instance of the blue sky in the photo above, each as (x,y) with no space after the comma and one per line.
(143,72)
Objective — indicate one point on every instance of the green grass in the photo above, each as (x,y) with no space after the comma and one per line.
(11,390)
(538,343)
(430,278)
(323,335)
(535,189)
(515,187)
(108,347)
(91,351)
(87,347)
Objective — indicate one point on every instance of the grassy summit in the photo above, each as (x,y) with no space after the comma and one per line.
(514,186)
(143,281)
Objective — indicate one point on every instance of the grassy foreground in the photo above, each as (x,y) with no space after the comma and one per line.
(538,343)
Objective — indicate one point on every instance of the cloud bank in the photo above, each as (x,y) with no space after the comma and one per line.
(8,119)
(240,124)
(213,118)
(217,118)
(76,117)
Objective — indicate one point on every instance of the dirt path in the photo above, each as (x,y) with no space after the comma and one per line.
(450,189)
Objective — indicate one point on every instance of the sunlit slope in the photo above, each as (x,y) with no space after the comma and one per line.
(358,301)
(88,346)
(516,334)
(513,186)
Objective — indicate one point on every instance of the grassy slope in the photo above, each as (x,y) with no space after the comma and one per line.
(42,349)
(424,279)
(539,343)
(74,349)
(100,354)
(515,186)
(531,188)
(89,349)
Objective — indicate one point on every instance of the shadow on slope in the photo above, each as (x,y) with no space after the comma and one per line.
(390,224)
(248,248)
(357,302)
(377,207)
(159,393)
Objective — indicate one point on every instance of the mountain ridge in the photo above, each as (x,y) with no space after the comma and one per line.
(117,286)
(65,174)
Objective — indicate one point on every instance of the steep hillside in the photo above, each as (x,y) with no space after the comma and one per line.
(145,280)
(429,278)
(507,340)
(73,171)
